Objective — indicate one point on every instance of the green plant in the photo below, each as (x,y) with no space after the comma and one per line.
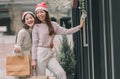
(67,56)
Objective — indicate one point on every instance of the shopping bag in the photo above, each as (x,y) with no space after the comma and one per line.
(18,65)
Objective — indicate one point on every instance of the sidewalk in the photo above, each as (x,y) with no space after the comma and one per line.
(6,46)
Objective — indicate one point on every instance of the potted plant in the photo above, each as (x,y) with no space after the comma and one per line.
(67,57)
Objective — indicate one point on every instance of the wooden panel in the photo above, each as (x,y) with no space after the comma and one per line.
(74,3)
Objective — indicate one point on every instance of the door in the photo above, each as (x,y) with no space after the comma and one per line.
(100,59)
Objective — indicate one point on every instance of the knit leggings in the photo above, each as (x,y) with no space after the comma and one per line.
(45,59)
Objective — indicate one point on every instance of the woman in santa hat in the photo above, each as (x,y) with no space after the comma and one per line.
(24,39)
(42,36)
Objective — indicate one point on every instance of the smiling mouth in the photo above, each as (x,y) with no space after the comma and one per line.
(41,17)
(31,22)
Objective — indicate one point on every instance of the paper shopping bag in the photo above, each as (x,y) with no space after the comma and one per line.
(18,65)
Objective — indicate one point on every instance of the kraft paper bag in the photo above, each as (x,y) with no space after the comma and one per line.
(18,65)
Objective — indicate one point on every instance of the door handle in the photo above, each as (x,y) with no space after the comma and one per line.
(83,16)
(85,44)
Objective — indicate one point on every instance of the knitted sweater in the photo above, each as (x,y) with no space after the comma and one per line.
(41,37)
(24,40)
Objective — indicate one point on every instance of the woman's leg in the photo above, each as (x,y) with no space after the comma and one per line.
(43,57)
(40,68)
(56,69)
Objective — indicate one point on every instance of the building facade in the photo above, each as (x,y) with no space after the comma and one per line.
(11,10)
(98,55)
(10,13)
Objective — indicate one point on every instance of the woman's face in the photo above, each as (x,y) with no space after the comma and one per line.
(41,15)
(29,20)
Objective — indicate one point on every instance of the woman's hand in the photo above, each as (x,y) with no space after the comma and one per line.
(51,45)
(17,50)
(34,63)
(82,22)
(82,19)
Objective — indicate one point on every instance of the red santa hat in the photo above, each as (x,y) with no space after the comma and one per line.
(41,6)
(27,12)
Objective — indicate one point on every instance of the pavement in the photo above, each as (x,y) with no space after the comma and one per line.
(6,48)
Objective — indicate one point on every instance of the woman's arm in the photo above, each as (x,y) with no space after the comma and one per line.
(34,43)
(61,30)
(19,41)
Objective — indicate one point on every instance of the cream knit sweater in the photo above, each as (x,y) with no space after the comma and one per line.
(24,40)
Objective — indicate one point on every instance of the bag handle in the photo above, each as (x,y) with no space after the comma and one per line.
(17,54)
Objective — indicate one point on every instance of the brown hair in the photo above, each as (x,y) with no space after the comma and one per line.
(48,22)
